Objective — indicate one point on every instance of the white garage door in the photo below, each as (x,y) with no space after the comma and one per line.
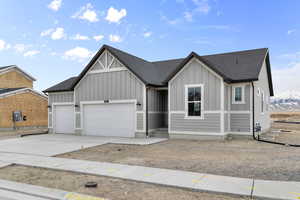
(109,119)
(64,119)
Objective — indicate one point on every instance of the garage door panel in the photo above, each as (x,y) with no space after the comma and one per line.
(64,119)
(109,120)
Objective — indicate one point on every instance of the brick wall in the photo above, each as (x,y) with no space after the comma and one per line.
(13,79)
(33,106)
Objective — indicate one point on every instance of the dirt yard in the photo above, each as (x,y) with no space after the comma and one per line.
(114,189)
(241,158)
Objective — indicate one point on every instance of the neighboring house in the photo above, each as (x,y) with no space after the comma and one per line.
(20,105)
(118,94)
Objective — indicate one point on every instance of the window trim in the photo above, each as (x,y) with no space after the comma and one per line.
(233,94)
(262,102)
(186,101)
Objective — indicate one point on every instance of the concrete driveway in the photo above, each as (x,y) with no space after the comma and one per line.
(54,144)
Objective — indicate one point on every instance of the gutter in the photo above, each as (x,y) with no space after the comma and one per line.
(253,126)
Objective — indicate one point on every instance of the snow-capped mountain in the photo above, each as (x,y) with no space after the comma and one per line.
(286,101)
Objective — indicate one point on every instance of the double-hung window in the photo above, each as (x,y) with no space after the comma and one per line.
(238,94)
(194,100)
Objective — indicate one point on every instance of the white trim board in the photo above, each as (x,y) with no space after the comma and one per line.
(23,90)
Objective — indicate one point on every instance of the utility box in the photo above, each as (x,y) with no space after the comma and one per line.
(17,116)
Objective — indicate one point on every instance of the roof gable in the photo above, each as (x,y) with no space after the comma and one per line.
(6,69)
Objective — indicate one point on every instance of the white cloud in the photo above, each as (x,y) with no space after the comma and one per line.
(287,79)
(86,12)
(147,34)
(202,6)
(55,5)
(115,38)
(31,53)
(170,21)
(4,45)
(78,53)
(98,37)
(58,34)
(291,31)
(46,32)
(188,16)
(80,37)
(114,16)
(20,47)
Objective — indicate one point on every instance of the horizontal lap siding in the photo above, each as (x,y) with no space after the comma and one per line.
(210,123)
(226,128)
(120,85)
(240,122)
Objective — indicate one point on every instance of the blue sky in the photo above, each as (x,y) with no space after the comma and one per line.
(54,39)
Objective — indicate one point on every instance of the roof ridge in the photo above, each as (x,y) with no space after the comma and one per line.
(107,46)
(232,52)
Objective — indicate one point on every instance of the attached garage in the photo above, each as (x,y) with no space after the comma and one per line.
(64,119)
(109,119)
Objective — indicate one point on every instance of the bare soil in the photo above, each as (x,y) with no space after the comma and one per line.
(110,188)
(240,158)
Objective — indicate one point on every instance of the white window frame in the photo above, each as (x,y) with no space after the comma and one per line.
(186,101)
(233,94)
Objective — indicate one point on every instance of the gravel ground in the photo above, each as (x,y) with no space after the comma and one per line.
(114,189)
(240,158)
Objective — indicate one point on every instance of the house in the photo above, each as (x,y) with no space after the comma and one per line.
(119,94)
(20,105)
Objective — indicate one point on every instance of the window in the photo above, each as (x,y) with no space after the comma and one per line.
(262,102)
(238,94)
(193,100)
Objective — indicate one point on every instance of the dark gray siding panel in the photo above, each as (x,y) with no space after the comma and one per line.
(119,85)
(210,123)
(240,122)
(156,120)
(157,100)
(140,121)
(195,73)
(60,97)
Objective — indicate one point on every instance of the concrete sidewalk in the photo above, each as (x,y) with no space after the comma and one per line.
(174,178)
(19,191)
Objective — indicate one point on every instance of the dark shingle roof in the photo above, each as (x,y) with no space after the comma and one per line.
(234,67)
(6,90)
(66,85)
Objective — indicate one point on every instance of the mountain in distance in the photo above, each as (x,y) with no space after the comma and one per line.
(285,101)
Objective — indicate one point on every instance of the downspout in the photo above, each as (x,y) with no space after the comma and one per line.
(253,112)
(147,131)
(253,126)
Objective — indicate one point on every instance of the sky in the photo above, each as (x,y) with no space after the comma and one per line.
(54,39)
